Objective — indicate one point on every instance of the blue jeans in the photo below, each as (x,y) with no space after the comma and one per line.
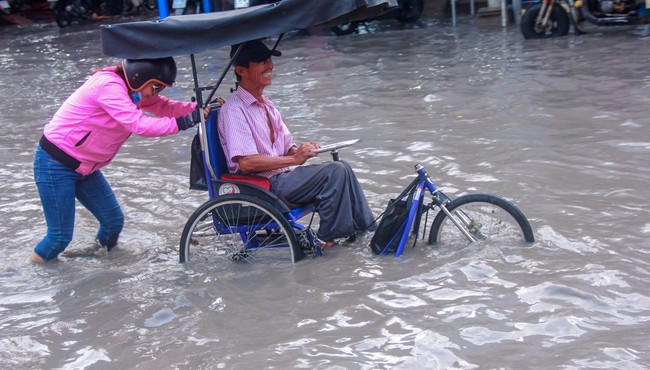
(58,186)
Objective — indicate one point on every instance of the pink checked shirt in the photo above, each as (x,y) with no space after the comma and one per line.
(244,130)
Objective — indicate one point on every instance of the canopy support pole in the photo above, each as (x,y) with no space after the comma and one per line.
(202,136)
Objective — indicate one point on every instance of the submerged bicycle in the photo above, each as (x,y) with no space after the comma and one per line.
(473,217)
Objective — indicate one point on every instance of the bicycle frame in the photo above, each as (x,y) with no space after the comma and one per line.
(417,207)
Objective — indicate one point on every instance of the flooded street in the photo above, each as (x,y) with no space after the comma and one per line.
(559,127)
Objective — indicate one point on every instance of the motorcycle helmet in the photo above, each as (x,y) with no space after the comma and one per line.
(140,72)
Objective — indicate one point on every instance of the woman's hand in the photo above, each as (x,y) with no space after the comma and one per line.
(216,103)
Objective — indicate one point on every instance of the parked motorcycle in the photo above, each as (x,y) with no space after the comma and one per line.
(406,11)
(550,18)
(139,5)
(68,11)
(27,10)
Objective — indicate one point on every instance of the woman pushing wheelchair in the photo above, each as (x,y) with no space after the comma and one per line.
(86,133)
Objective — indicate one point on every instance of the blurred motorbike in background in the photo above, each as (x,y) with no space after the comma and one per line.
(68,11)
(406,11)
(25,11)
(550,18)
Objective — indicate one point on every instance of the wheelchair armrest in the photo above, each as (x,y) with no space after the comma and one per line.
(246,186)
(260,181)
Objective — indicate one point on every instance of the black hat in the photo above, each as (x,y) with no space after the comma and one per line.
(253,51)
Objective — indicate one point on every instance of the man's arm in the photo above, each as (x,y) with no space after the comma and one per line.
(259,163)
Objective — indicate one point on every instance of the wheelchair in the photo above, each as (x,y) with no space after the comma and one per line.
(243,221)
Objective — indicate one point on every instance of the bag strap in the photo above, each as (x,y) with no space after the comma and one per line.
(410,189)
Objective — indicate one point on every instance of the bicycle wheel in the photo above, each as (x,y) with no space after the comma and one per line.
(238,228)
(485,217)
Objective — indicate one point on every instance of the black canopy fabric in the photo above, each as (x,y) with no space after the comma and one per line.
(193,34)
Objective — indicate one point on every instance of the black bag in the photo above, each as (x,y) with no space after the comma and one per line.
(392,226)
(197,166)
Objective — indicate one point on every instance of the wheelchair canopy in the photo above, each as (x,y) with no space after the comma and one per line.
(196,33)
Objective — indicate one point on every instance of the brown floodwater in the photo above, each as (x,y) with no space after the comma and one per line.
(559,127)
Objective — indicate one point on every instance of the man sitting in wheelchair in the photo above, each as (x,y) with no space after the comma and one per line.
(256,141)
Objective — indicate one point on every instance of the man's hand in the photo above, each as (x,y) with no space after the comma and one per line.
(261,163)
(304,151)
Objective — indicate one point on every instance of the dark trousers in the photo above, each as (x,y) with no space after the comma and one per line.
(343,206)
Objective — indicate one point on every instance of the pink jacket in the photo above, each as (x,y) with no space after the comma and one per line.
(95,121)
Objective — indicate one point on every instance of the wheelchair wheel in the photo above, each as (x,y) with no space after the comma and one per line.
(238,228)
(486,217)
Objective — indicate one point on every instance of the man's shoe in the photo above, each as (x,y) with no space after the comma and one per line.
(328,244)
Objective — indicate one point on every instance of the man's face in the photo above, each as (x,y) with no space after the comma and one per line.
(258,73)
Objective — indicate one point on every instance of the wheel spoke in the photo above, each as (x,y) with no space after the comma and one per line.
(485,217)
(238,228)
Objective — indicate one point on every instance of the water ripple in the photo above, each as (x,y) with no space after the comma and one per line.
(557,126)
